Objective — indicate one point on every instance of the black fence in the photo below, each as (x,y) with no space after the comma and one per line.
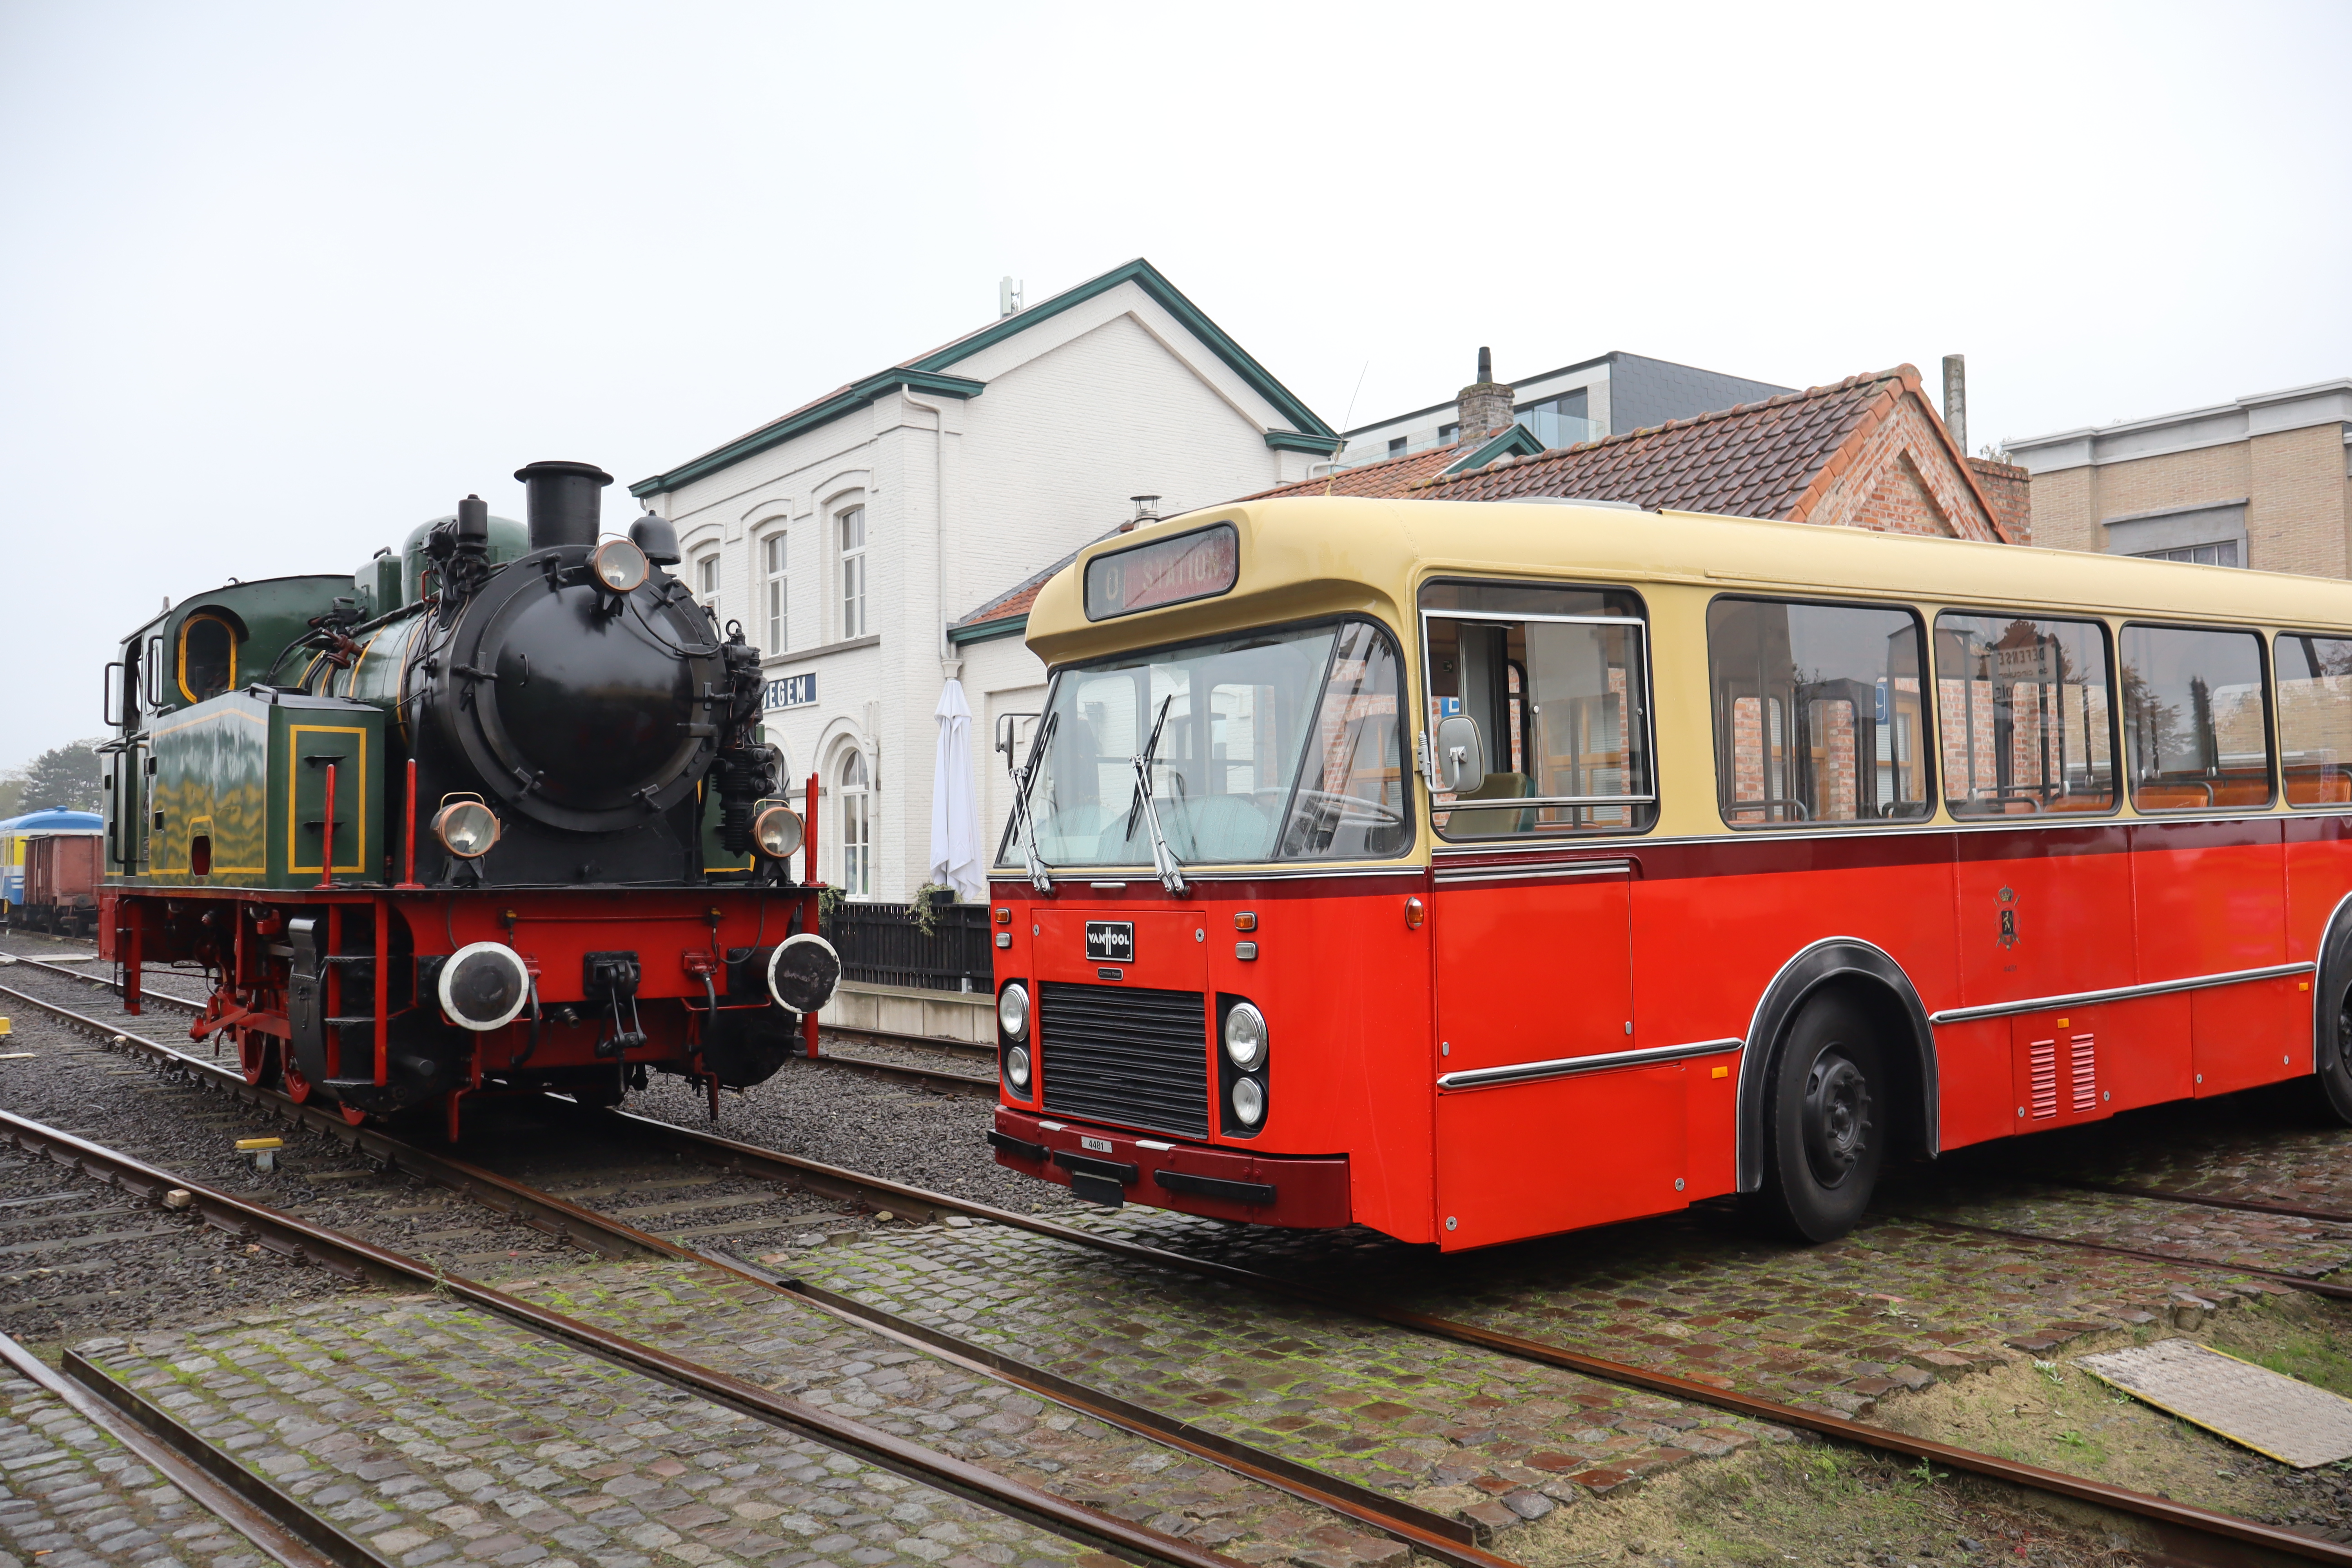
(881,945)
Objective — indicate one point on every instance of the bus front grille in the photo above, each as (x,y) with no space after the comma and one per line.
(1121,1054)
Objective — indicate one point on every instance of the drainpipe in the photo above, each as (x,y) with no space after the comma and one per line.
(938,515)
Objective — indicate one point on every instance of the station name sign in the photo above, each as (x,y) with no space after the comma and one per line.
(792,690)
(1196,565)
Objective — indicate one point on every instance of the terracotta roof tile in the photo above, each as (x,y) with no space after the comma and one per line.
(1389,476)
(1758,460)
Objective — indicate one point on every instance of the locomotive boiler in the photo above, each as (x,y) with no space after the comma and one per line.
(494,816)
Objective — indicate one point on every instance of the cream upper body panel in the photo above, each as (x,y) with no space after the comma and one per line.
(1305,557)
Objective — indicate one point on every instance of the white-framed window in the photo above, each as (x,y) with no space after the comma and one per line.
(857,827)
(706,580)
(852,524)
(775,600)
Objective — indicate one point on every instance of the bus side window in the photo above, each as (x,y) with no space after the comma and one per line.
(1556,681)
(2315,707)
(1817,713)
(2192,704)
(2022,707)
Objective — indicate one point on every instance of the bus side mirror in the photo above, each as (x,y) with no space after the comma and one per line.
(1461,760)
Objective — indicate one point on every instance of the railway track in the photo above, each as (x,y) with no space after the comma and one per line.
(935,1078)
(2185,1532)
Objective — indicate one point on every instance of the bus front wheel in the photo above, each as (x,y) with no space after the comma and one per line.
(2335,1066)
(1824,1124)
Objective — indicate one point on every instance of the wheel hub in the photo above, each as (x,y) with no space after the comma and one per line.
(1836,1118)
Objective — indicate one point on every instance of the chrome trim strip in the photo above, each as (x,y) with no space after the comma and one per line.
(2117,994)
(1554,868)
(1567,1067)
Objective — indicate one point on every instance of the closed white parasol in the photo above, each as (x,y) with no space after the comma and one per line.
(956,851)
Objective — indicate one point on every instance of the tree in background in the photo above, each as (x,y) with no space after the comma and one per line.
(65,776)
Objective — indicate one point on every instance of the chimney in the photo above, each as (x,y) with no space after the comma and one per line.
(1484,407)
(565,503)
(1956,400)
(1146,510)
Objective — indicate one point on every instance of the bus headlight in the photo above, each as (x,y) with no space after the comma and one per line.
(1012,1013)
(1249,1100)
(778,832)
(466,829)
(1016,1066)
(1245,1039)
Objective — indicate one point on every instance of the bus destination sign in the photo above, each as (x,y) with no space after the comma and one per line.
(1196,565)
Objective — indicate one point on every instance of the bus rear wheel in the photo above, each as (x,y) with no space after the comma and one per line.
(2336,1065)
(1823,1124)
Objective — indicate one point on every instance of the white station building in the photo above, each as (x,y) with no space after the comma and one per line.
(850,536)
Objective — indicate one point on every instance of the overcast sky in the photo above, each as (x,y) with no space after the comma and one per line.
(280,281)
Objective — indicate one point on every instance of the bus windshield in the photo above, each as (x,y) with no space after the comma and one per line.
(1273,745)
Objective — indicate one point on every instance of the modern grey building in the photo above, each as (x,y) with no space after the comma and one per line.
(1583,401)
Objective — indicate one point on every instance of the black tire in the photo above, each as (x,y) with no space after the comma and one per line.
(2334,1101)
(1825,1124)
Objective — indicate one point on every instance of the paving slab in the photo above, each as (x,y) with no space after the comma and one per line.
(71,1497)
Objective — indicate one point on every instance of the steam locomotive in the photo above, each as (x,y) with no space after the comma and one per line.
(495,815)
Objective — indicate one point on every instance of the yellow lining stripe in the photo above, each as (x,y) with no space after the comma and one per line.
(294,733)
(180,672)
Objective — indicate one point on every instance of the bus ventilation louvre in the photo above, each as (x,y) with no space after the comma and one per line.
(1124,1055)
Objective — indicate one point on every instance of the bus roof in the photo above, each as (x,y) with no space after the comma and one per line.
(1298,557)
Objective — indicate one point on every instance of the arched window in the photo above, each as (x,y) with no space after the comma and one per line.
(706,580)
(857,828)
(774,592)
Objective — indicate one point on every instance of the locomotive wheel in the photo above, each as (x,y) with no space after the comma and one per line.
(1822,1125)
(257,1054)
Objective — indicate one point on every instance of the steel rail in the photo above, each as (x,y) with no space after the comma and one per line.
(900,1037)
(1432,1533)
(288,1541)
(2184,1530)
(894,1072)
(2171,1195)
(2291,1282)
(927,1467)
(2188,1532)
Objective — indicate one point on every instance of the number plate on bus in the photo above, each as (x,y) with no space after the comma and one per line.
(1111,942)
(1099,1145)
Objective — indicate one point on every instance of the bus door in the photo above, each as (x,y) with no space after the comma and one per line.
(1547,1117)
(2209,890)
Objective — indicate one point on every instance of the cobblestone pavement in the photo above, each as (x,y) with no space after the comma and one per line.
(734,1325)
(1444,1424)
(71,1497)
(435,1432)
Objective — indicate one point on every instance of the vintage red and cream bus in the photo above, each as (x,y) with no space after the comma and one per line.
(1480,871)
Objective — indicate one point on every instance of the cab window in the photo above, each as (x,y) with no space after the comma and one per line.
(1817,713)
(1551,687)
(208,657)
(2193,719)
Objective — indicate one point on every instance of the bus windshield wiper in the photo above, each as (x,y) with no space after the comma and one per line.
(1163,860)
(1024,819)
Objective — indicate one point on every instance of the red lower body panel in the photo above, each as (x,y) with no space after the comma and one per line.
(1303,1191)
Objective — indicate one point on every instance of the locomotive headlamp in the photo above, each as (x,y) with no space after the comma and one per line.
(803,971)
(778,832)
(1013,1011)
(1249,1102)
(618,566)
(466,829)
(483,985)
(1016,1066)
(1245,1040)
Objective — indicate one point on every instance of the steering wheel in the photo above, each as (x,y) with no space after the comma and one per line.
(1353,807)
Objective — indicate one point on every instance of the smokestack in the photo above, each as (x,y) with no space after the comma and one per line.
(1483,407)
(566,501)
(1956,400)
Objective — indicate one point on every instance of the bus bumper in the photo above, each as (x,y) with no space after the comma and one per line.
(1304,1192)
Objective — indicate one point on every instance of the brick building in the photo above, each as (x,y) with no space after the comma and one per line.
(2264,481)
(1869,451)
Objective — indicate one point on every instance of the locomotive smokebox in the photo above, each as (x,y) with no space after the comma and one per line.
(567,502)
